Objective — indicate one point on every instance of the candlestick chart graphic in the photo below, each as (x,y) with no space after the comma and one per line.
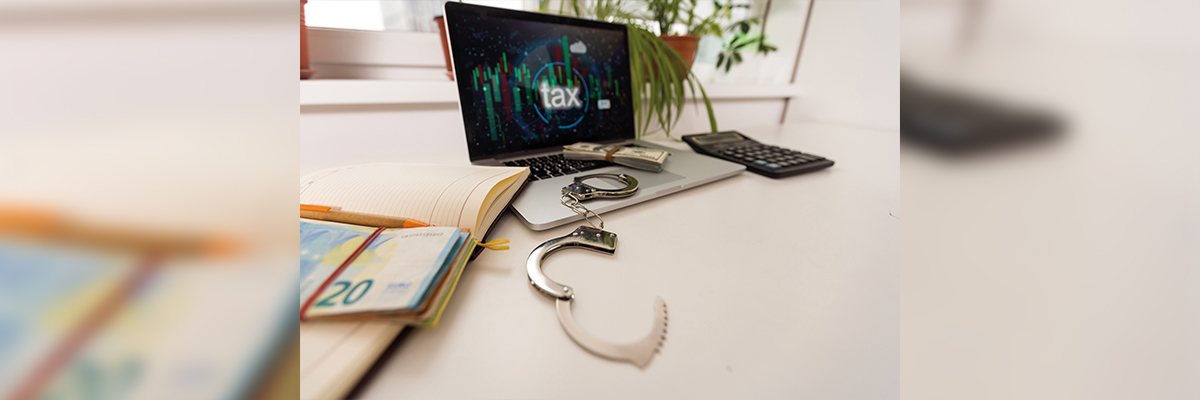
(524,88)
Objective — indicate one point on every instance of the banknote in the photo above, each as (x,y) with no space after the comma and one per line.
(112,323)
(394,272)
(643,158)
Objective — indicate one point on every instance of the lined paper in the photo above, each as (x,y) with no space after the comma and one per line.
(442,195)
(333,355)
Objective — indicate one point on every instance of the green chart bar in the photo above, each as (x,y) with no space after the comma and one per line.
(496,85)
(567,60)
(491,116)
(498,124)
(517,99)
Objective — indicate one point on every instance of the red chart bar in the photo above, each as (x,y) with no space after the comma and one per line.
(575,67)
(504,92)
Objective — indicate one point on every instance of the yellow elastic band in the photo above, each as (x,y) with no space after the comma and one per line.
(492,245)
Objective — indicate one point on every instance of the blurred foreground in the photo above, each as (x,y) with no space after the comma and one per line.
(147,167)
(1050,200)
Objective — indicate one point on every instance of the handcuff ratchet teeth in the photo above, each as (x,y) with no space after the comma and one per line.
(596,239)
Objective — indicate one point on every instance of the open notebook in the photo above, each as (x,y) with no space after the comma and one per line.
(469,197)
(334,355)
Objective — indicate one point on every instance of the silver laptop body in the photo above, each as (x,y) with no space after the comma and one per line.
(539,206)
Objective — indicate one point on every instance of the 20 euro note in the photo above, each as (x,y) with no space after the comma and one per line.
(116,323)
(395,272)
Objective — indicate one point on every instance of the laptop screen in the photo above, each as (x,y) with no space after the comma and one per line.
(529,81)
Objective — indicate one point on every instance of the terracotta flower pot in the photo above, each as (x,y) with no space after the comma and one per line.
(441,23)
(685,45)
(305,71)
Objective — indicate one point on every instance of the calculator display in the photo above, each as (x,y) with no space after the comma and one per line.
(718,138)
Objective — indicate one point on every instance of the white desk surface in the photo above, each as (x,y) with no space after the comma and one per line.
(774,289)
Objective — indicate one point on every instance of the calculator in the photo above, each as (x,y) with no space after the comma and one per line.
(762,159)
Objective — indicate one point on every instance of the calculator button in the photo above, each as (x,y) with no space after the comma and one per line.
(773,166)
(760,162)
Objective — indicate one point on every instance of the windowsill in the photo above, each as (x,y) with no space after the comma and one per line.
(364,91)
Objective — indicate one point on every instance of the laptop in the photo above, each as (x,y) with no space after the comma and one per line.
(530,83)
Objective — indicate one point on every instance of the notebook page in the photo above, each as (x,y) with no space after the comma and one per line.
(442,195)
(498,199)
(334,355)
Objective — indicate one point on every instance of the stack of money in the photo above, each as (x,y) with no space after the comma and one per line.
(403,274)
(643,158)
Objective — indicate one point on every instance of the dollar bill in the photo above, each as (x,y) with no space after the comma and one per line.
(643,158)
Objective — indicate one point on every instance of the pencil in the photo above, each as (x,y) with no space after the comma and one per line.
(51,225)
(325,213)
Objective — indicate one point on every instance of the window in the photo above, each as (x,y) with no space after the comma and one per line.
(396,39)
(385,15)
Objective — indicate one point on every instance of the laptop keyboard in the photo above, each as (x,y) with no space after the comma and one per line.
(546,167)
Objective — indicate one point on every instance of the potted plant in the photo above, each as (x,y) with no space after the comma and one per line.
(743,40)
(305,71)
(442,34)
(670,14)
(666,73)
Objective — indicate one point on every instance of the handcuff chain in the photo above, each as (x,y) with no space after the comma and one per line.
(572,202)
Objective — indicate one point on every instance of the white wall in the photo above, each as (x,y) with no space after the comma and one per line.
(405,132)
(850,65)
(849,73)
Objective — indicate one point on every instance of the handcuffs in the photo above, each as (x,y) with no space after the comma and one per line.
(596,239)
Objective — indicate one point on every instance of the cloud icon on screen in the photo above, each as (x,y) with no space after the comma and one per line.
(578,48)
